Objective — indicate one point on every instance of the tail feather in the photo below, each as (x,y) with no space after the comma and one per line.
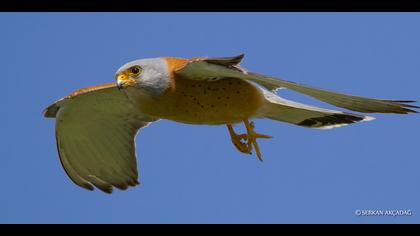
(277,108)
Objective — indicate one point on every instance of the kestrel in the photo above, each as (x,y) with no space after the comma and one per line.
(96,126)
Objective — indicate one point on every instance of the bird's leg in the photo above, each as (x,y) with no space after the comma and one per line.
(252,138)
(237,140)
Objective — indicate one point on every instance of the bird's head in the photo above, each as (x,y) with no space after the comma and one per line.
(150,74)
(128,76)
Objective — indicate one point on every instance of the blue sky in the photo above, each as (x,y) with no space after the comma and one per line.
(193,174)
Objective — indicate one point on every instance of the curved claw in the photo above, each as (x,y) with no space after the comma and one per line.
(237,140)
(250,137)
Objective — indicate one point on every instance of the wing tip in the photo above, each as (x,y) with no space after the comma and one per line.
(101,184)
(403,104)
(86,186)
(226,61)
(401,101)
(107,187)
(410,111)
(51,111)
(398,107)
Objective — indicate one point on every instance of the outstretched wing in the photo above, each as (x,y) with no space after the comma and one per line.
(95,130)
(207,69)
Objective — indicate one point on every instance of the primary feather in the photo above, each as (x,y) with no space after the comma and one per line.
(350,102)
(229,67)
(95,130)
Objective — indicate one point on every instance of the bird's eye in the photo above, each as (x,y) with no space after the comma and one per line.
(135,70)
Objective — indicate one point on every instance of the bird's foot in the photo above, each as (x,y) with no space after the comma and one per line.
(237,140)
(250,137)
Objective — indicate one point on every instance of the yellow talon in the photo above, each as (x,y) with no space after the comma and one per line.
(237,140)
(251,138)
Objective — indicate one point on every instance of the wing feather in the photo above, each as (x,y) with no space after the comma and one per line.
(95,130)
(206,69)
(350,102)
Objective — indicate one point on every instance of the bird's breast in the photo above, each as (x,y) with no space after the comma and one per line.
(223,101)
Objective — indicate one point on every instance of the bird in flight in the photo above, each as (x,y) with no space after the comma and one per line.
(96,126)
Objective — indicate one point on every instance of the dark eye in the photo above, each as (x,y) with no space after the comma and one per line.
(135,70)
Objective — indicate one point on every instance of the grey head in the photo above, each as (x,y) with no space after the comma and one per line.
(149,74)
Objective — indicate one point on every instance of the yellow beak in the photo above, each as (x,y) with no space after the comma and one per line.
(124,81)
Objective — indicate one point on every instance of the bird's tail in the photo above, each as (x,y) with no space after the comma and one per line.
(277,108)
